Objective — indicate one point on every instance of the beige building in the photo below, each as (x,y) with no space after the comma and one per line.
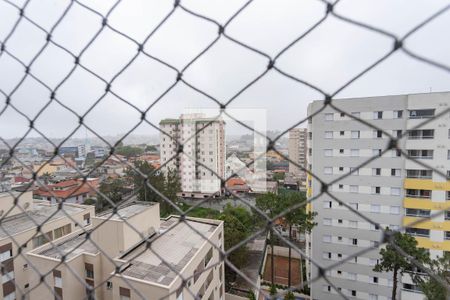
(18,230)
(133,255)
(203,141)
(297,148)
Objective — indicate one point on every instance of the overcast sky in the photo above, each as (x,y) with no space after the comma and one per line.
(328,57)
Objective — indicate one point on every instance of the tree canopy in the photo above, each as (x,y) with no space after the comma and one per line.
(392,260)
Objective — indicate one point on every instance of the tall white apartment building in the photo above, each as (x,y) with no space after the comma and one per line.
(202,163)
(297,150)
(391,190)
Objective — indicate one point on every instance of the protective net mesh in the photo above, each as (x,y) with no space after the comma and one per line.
(84,240)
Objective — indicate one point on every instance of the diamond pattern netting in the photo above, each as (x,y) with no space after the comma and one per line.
(398,44)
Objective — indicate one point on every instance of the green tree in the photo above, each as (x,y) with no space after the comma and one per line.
(273,290)
(112,191)
(268,204)
(289,296)
(146,173)
(302,220)
(150,148)
(273,204)
(251,295)
(433,289)
(235,230)
(128,151)
(397,263)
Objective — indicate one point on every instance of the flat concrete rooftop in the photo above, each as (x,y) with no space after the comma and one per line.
(39,214)
(71,248)
(176,242)
(127,211)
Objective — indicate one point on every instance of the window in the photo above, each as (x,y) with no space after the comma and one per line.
(354,206)
(351,276)
(353,293)
(376,190)
(341,169)
(109,285)
(422,154)
(426,174)
(328,134)
(398,114)
(326,255)
(61,231)
(341,186)
(395,191)
(353,189)
(208,257)
(377,115)
(411,287)
(355,134)
(341,133)
(42,239)
(395,172)
(328,170)
(412,193)
(447,235)
(327,221)
(377,152)
(374,279)
(124,293)
(418,232)
(89,268)
(378,134)
(340,221)
(57,278)
(412,212)
(327,204)
(354,152)
(421,134)
(354,171)
(6,255)
(375,208)
(421,113)
(8,276)
(354,242)
(341,151)
(376,172)
(356,114)
(394,210)
(397,133)
(326,238)
(329,117)
(328,152)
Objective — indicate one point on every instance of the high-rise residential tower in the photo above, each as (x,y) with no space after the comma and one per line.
(202,163)
(391,190)
(297,149)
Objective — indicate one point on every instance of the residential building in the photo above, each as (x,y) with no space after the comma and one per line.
(202,163)
(297,149)
(150,255)
(69,191)
(391,190)
(18,231)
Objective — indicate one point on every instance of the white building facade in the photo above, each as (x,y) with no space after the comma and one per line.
(202,163)
(390,190)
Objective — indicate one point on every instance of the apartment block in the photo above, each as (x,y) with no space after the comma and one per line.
(391,190)
(133,254)
(202,165)
(18,235)
(297,150)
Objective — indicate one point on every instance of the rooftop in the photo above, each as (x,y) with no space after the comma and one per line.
(176,242)
(127,211)
(40,214)
(71,247)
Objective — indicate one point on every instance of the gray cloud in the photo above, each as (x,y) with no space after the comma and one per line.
(330,56)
